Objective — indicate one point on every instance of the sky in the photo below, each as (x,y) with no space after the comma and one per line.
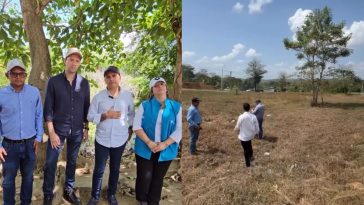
(227,34)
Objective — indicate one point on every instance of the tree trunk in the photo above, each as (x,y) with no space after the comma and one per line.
(40,58)
(177,84)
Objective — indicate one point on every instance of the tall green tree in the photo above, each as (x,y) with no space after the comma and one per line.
(283,81)
(46,27)
(188,72)
(320,42)
(42,29)
(255,72)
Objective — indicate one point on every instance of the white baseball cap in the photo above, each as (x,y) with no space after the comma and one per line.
(156,80)
(72,51)
(15,63)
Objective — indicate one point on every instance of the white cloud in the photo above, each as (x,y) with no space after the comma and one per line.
(187,54)
(357,31)
(204,59)
(240,61)
(234,52)
(279,64)
(255,6)
(296,21)
(252,53)
(238,7)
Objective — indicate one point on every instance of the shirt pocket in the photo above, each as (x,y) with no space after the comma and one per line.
(7,110)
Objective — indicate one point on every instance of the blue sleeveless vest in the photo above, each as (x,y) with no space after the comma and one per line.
(169,120)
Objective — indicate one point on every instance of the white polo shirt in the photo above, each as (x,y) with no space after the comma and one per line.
(248,126)
(112,132)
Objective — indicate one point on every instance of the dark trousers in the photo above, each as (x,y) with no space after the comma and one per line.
(194,133)
(260,135)
(19,155)
(248,151)
(149,181)
(50,166)
(101,155)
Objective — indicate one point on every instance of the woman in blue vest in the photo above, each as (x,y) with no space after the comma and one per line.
(158,127)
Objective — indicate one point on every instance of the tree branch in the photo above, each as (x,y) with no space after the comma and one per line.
(41,5)
(5,3)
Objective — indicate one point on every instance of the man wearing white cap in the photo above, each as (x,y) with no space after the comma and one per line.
(65,113)
(21,126)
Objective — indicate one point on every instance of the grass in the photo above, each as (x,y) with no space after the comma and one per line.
(316,155)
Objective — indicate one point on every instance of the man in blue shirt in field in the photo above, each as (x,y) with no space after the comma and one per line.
(65,112)
(21,126)
(194,120)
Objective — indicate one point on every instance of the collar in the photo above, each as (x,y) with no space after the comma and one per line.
(65,77)
(11,89)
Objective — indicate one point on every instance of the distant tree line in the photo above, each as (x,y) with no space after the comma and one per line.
(340,80)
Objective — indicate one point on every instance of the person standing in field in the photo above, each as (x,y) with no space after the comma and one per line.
(21,126)
(247,127)
(194,120)
(112,110)
(65,112)
(259,113)
(158,128)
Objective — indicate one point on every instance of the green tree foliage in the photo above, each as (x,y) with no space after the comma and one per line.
(344,80)
(95,27)
(255,71)
(188,73)
(319,43)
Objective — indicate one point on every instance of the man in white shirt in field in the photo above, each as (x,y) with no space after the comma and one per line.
(247,127)
(112,110)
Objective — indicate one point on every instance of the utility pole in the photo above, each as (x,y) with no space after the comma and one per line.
(222,76)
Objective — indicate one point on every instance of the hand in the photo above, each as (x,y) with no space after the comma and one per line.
(112,114)
(85,134)
(130,131)
(152,145)
(2,154)
(199,127)
(36,146)
(55,142)
(160,147)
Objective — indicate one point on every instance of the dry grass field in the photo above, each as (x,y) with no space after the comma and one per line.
(316,154)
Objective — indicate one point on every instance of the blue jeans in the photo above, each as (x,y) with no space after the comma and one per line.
(19,155)
(260,122)
(50,166)
(101,155)
(194,133)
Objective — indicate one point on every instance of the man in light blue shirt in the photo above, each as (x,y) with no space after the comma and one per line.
(112,110)
(194,120)
(21,126)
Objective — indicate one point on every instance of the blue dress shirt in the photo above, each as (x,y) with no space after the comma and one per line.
(193,116)
(21,113)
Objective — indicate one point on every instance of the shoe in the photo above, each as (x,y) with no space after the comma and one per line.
(70,196)
(47,200)
(92,201)
(112,200)
(143,203)
(252,159)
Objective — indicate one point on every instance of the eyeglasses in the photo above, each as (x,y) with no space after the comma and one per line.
(16,75)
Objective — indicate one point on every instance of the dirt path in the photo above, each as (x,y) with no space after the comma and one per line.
(171,193)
